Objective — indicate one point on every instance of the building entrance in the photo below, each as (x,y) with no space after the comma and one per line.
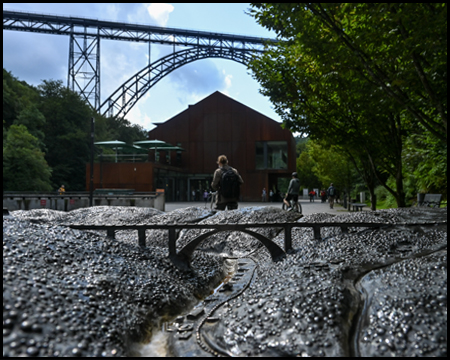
(278,183)
(196,187)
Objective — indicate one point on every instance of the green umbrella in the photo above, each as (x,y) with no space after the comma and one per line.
(113,144)
(154,145)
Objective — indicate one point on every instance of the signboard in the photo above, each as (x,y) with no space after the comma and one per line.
(43,202)
(72,201)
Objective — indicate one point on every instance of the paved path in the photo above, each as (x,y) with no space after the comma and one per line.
(307,206)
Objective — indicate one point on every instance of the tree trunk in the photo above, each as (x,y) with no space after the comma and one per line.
(400,193)
(373,201)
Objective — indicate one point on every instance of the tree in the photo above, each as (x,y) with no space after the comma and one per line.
(331,165)
(59,120)
(24,165)
(67,134)
(308,178)
(17,95)
(34,121)
(400,47)
(425,159)
(321,89)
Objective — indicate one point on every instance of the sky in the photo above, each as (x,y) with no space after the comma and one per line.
(34,57)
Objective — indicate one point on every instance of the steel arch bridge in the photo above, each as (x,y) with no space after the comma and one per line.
(127,95)
(84,52)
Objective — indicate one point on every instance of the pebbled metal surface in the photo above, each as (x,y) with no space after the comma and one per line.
(368,292)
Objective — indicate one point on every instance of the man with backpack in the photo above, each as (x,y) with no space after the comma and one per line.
(331,193)
(292,193)
(227,182)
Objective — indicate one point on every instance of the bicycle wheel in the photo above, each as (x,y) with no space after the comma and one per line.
(213,199)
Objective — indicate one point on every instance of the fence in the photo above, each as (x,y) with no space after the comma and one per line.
(75,200)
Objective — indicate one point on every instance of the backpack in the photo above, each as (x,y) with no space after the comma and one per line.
(229,184)
(331,191)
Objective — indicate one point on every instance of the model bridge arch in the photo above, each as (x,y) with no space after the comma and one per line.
(182,258)
(84,52)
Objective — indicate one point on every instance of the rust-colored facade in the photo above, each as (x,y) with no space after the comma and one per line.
(256,145)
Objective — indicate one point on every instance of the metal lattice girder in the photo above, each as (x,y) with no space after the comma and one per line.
(126,96)
(84,56)
(84,67)
(64,25)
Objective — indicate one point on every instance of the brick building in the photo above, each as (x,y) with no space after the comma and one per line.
(261,150)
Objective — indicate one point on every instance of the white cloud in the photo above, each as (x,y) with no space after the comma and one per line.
(227,82)
(139,115)
(160,13)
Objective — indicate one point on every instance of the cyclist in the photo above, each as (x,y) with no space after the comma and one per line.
(292,193)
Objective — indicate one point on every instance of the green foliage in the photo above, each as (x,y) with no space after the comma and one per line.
(331,166)
(34,121)
(120,129)
(363,78)
(305,165)
(56,121)
(426,159)
(67,131)
(24,165)
(17,95)
(300,144)
(400,48)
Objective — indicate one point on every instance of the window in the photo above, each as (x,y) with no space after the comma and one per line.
(271,155)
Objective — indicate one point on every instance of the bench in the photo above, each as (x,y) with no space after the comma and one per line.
(431,200)
(357,206)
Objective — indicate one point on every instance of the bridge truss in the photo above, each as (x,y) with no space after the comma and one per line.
(84,52)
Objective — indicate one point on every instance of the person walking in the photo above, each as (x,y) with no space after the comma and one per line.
(331,193)
(205,196)
(264,195)
(312,193)
(62,190)
(323,195)
(227,183)
(292,193)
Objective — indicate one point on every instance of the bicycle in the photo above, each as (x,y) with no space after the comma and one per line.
(295,205)
(212,195)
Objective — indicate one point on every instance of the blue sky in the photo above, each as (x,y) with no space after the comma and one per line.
(35,57)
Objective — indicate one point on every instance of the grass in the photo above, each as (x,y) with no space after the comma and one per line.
(382,205)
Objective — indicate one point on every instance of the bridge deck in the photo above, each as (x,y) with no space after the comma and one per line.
(182,258)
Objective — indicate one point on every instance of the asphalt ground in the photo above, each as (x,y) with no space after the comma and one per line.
(307,206)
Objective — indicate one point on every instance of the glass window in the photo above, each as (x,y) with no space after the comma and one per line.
(260,163)
(271,154)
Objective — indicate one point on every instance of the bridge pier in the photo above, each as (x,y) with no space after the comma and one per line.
(141,237)
(287,238)
(183,257)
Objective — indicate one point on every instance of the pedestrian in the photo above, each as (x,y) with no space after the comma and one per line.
(227,183)
(312,193)
(331,193)
(323,195)
(62,190)
(205,196)
(292,193)
(264,195)
(271,195)
(193,195)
